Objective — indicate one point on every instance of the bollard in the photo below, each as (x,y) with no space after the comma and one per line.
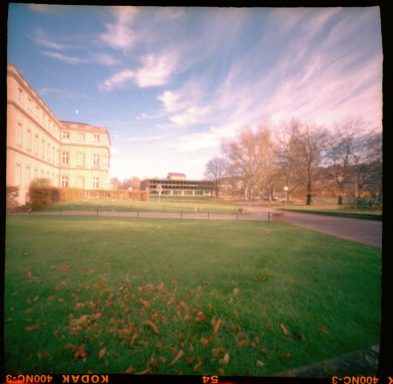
(138,212)
(208,214)
(97,211)
(181,213)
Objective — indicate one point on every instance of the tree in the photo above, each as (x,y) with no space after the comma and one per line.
(367,163)
(340,152)
(250,158)
(308,146)
(215,171)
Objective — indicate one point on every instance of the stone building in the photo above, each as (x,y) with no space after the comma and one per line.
(39,145)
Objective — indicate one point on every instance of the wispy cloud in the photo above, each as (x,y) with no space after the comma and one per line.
(47,8)
(155,70)
(65,58)
(40,38)
(119,34)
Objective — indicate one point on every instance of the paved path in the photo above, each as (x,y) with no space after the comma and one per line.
(363,231)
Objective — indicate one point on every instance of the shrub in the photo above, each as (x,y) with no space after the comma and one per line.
(70,194)
(41,197)
(11,195)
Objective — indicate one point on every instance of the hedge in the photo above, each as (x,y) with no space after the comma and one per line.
(41,197)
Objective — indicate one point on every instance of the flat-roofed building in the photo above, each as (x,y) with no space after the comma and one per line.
(178,187)
(39,145)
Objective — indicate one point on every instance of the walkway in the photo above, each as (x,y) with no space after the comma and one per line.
(362,231)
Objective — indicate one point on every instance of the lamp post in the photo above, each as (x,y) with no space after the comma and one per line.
(286,196)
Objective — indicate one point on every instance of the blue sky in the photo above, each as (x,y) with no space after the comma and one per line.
(171,83)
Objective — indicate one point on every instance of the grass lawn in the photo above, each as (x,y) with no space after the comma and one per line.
(337,211)
(169,205)
(107,295)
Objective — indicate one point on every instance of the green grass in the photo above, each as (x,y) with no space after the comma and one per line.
(172,205)
(336,210)
(78,286)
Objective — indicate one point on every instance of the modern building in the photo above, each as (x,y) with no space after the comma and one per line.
(39,145)
(178,185)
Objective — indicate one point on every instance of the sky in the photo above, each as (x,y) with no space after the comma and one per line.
(171,83)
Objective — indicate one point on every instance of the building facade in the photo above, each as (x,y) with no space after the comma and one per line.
(39,145)
(178,186)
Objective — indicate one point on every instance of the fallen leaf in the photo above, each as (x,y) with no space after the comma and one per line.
(235,291)
(152,326)
(259,363)
(32,327)
(242,343)
(184,305)
(255,342)
(197,365)
(143,372)
(221,371)
(69,346)
(284,329)
(130,369)
(216,325)
(323,329)
(80,353)
(145,303)
(204,341)
(177,357)
(102,352)
(217,351)
(200,316)
(29,275)
(190,359)
(133,338)
(79,305)
(224,360)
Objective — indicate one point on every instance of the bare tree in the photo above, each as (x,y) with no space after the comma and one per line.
(367,163)
(340,152)
(215,171)
(309,141)
(250,158)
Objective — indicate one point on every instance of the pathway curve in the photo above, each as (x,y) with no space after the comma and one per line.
(360,230)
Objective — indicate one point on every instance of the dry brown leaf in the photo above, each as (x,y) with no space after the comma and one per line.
(97,315)
(130,369)
(204,341)
(284,329)
(79,352)
(69,346)
(200,316)
(221,371)
(152,326)
(259,363)
(255,342)
(177,357)
(217,351)
(224,360)
(235,291)
(242,343)
(323,329)
(29,275)
(184,305)
(190,359)
(124,333)
(102,352)
(145,303)
(143,372)
(32,327)
(216,325)
(198,364)
(79,305)
(133,338)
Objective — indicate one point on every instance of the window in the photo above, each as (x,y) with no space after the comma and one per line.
(65,134)
(19,134)
(53,154)
(65,157)
(97,138)
(21,96)
(48,152)
(28,140)
(36,144)
(81,136)
(30,105)
(27,175)
(80,159)
(96,160)
(35,173)
(43,148)
(18,174)
(64,181)
(96,182)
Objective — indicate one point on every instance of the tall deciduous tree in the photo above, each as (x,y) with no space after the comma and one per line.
(215,171)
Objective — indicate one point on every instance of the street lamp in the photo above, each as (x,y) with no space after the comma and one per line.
(286,196)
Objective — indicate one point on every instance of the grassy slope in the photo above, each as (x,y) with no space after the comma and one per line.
(122,272)
(151,205)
